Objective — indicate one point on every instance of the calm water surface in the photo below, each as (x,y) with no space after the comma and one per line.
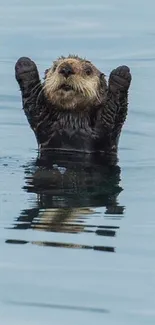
(77,242)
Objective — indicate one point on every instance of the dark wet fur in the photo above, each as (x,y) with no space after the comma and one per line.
(93,130)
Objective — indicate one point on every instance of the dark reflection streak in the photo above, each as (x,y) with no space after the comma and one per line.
(68,229)
(64,245)
(25,225)
(57,306)
(114,210)
(15,241)
(108,233)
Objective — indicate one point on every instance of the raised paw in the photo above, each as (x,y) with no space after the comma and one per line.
(120,79)
(25,66)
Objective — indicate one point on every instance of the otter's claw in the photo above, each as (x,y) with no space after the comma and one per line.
(120,79)
(23,66)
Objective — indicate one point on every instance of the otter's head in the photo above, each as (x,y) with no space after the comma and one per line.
(73,83)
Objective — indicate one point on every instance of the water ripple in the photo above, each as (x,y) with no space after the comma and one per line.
(57,306)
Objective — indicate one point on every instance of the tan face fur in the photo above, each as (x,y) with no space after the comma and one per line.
(73,82)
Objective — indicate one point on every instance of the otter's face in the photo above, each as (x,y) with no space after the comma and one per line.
(72,82)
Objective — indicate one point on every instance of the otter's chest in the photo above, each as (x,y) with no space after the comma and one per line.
(71,136)
(69,132)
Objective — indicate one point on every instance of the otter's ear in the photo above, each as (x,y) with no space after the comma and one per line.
(102,79)
(102,76)
(46,71)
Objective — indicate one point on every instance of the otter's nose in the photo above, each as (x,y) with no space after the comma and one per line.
(66,70)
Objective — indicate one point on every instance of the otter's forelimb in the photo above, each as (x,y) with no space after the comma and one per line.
(29,82)
(119,83)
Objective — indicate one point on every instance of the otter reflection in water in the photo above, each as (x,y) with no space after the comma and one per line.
(67,190)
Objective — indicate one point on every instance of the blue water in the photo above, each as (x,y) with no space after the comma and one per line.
(84,254)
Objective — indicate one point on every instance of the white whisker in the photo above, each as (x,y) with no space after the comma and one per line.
(36,88)
(39,95)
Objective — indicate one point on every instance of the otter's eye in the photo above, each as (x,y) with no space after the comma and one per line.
(88,71)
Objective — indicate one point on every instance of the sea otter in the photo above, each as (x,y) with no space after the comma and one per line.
(74,109)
